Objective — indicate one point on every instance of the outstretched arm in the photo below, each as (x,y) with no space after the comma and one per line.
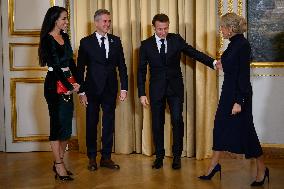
(195,54)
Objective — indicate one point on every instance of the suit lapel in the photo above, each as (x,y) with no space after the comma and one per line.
(169,47)
(95,41)
(154,45)
(96,45)
(111,45)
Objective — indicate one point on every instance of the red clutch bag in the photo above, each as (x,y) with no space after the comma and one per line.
(61,89)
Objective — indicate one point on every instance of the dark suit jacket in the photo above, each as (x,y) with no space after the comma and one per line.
(168,73)
(99,71)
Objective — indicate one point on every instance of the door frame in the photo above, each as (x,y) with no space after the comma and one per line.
(2,121)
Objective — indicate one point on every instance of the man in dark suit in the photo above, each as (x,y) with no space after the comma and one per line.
(101,53)
(162,52)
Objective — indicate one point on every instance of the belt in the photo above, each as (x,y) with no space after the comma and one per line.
(50,69)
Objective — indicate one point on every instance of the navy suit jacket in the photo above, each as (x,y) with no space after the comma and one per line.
(101,71)
(166,73)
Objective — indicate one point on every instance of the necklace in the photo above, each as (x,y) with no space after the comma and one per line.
(66,99)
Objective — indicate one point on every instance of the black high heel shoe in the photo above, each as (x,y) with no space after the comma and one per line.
(54,170)
(216,169)
(260,183)
(64,177)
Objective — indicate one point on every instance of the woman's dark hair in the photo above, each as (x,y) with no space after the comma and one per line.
(52,14)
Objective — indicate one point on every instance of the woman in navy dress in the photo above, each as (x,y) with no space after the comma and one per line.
(55,51)
(233,127)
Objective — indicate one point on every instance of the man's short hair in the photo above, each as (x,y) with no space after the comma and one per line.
(100,12)
(161,18)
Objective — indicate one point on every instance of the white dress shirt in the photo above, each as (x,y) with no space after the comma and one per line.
(106,42)
(159,43)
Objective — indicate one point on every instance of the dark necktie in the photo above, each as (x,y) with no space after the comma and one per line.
(163,50)
(163,47)
(103,47)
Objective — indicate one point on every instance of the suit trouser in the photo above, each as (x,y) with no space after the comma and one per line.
(107,101)
(158,120)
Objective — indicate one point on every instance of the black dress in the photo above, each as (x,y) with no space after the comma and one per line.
(60,106)
(236,133)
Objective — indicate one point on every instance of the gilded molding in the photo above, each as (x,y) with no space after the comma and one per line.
(14,124)
(68,7)
(11,57)
(230,5)
(267,65)
(240,7)
(11,15)
(221,40)
(268,75)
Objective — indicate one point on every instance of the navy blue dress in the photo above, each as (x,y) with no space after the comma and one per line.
(236,133)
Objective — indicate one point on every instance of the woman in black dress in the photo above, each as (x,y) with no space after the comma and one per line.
(56,52)
(233,127)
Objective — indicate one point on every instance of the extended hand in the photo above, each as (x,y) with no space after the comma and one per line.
(236,109)
(68,93)
(123,95)
(83,100)
(144,101)
(76,87)
(219,65)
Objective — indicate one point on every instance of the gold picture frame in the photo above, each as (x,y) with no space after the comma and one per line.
(11,15)
(13,85)
(230,4)
(260,17)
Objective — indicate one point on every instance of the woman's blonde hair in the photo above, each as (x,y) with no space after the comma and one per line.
(238,23)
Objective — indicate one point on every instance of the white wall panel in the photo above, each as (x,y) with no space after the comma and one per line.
(32,112)
(29,14)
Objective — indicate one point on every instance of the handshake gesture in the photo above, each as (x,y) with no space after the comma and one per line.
(218,65)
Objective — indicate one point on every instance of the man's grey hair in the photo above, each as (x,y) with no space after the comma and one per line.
(99,13)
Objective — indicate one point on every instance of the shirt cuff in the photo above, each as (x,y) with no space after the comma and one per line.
(214,64)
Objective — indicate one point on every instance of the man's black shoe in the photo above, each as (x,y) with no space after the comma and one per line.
(158,163)
(176,163)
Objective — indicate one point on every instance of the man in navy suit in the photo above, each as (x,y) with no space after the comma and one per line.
(162,52)
(101,53)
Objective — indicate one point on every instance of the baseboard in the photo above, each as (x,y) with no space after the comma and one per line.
(268,153)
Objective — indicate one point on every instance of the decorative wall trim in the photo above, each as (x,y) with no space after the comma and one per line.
(11,57)
(13,84)
(11,15)
(268,75)
(68,7)
(221,40)
(267,65)
(230,6)
(240,7)
(272,145)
